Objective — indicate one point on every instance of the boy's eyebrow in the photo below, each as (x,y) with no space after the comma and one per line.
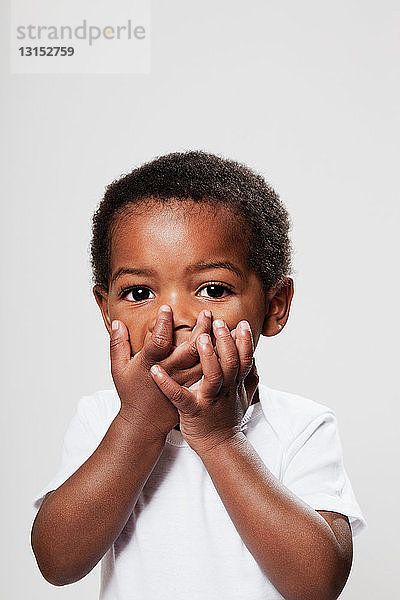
(203,266)
(131,271)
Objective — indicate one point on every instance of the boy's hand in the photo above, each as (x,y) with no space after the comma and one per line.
(211,410)
(142,403)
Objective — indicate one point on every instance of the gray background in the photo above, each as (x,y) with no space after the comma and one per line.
(306,93)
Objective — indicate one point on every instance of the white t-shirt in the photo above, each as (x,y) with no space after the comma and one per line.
(179,541)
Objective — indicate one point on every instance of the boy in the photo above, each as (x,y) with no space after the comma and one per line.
(191,479)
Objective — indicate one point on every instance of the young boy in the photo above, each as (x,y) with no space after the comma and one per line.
(190,479)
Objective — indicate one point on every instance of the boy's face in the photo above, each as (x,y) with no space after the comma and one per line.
(190,257)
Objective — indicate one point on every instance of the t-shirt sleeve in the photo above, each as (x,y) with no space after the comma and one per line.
(80,441)
(314,471)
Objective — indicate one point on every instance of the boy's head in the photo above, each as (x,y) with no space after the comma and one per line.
(165,219)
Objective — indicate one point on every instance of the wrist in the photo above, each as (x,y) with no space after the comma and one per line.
(216,444)
(140,427)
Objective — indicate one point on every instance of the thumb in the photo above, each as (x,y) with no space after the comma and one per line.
(120,348)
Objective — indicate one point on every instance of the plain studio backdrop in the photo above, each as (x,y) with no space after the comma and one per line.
(307,93)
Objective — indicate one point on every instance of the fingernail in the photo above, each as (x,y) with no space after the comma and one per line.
(204,338)
(205,344)
(155,370)
(114,325)
(219,323)
(244,326)
(165,308)
(207,314)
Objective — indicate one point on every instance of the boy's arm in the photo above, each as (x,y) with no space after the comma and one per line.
(305,555)
(78,522)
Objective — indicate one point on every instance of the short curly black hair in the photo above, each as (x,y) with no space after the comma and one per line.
(200,177)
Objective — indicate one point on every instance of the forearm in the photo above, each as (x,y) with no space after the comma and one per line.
(79,522)
(291,542)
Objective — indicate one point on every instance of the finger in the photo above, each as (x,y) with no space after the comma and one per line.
(227,351)
(203,324)
(157,346)
(120,348)
(245,348)
(187,377)
(186,354)
(180,397)
(213,378)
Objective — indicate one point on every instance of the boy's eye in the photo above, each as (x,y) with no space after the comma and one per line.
(214,290)
(137,293)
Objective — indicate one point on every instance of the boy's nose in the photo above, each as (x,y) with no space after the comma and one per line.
(184,318)
(183,312)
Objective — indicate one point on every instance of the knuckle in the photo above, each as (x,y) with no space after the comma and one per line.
(175,395)
(231,362)
(115,343)
(159,341)
(188,350)
(223,334)
(191,350)
(247,358)
(215,378)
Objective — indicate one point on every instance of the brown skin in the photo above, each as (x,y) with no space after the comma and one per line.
(170,242)
(270,519)
(68,538)
(284,534)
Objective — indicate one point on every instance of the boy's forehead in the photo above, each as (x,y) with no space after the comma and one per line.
(184,229)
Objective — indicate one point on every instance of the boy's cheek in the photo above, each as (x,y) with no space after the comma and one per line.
(137,339)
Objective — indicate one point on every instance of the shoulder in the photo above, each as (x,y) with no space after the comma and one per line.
(291,415)
(98,410)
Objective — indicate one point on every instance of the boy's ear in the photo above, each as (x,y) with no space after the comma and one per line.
(101,296)
(278,307)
